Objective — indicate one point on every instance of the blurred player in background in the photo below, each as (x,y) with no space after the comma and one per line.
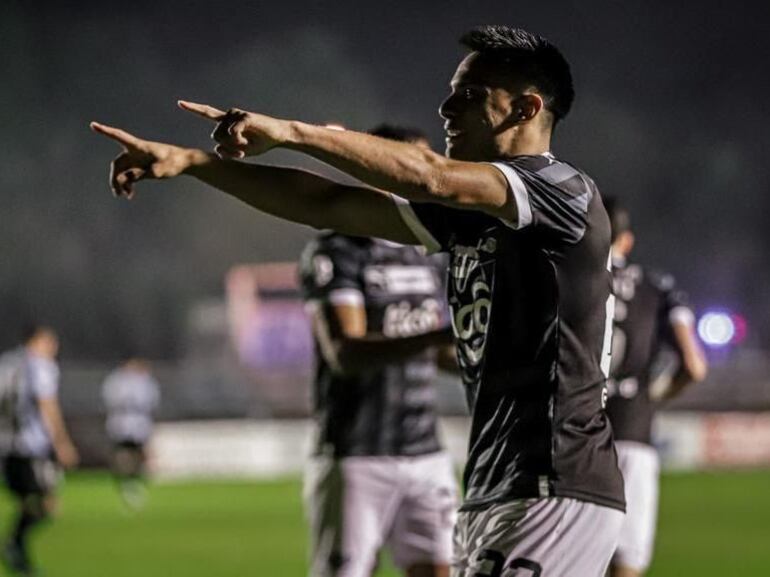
(378,475)
(650,314)
(35,442)
(131,395)
(529,289)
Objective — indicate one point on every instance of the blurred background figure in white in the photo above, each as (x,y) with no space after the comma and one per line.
(131,396)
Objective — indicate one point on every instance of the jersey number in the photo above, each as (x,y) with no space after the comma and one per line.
(498,564)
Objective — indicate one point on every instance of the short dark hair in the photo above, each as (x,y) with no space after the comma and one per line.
(399,133)
(532,57)
(620,220)
(31,329)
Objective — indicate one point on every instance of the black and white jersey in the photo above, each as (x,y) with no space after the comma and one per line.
(39,381)
(387,410)
(646,304)
(130,396)
(531,305)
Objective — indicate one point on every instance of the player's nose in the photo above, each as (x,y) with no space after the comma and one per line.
(448,108)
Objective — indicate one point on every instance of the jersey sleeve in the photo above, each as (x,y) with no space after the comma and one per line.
(553,198)
(330,272)
(44,379)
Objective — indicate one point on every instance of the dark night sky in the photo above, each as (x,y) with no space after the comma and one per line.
(670,115)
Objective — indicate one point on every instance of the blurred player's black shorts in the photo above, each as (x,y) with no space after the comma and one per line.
(27,476)
(129,444)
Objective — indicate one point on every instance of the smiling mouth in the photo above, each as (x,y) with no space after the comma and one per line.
(452,134)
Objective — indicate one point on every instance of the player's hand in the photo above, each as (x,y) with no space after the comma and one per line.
(67,455)
(141,160)
(239,133)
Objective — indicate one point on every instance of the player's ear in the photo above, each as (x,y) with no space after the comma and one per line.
(527,106)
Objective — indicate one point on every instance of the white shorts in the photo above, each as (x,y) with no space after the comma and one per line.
(547,537)
(357,505)
(641,468)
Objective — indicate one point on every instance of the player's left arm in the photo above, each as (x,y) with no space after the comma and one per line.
(408,170)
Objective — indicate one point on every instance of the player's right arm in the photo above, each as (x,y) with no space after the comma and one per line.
(694,366)
(680,330)
(287,193)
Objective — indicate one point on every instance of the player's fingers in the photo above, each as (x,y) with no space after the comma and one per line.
(126,139)
(129,178)
(124,171)
(236,131)
(221,133)
(124,182)
(203,110)
(225,151)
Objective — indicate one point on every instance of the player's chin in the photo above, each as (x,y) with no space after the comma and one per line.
(457,150)
(453,150)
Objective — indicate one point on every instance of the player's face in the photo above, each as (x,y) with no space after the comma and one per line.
(476,112)
(49,344)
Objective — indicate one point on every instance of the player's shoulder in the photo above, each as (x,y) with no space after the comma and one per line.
(338,243)
(12,356)
(553,172)
(383,251)
(333,255)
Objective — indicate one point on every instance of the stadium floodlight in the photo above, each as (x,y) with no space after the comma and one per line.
(717,329)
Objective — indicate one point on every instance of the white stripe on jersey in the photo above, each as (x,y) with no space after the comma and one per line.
(410,219)
(519,194)
(606,358)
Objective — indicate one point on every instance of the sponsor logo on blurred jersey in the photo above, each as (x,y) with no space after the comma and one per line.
(400,280)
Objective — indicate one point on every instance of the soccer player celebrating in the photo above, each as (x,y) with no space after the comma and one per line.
(529,289)
(378,474)
(649,313)
(131,395)
(36,443)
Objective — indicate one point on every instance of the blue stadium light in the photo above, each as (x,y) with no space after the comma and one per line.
(717,329)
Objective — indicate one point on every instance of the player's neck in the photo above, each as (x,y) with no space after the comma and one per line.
(528,143)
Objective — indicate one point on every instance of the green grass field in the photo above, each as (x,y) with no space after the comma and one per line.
(711,525)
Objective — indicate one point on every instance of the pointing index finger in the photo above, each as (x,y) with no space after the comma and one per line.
(203,110)
(121,136)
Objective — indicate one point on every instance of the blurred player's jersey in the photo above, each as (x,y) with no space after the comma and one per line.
(389,410)
(38,380)
(532,306)
(130,397)
(646,304)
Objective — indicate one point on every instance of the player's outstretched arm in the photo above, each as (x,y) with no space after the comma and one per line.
(405,169)
(694,365)
(292,194)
